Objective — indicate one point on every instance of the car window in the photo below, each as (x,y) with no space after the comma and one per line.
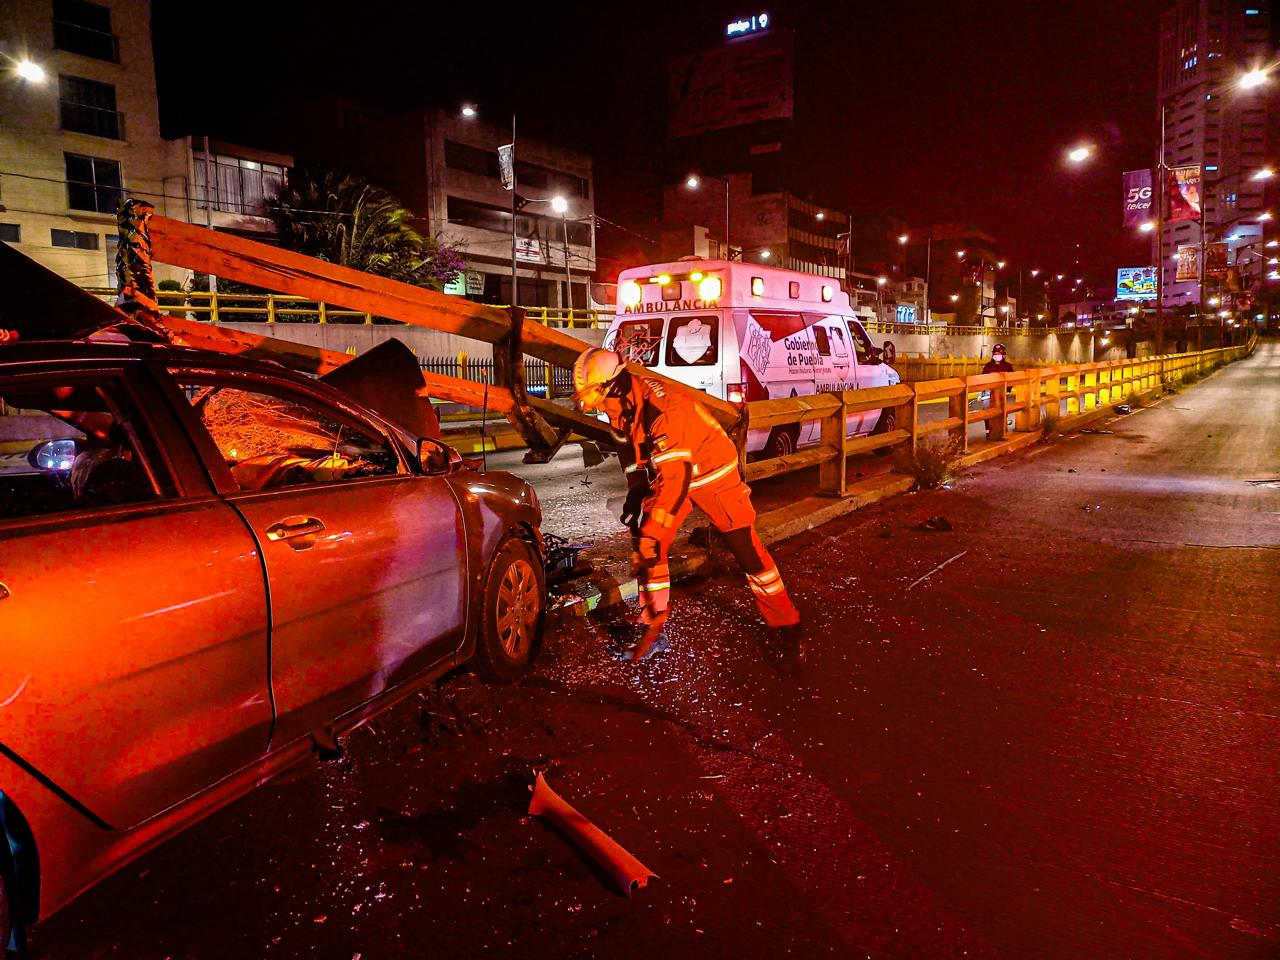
(272,438)
(73,444)
(693,341)
(861,342)
(822,340)
(839,343)
(639,340)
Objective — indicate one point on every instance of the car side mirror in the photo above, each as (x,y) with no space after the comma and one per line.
(437,458)
(52,455)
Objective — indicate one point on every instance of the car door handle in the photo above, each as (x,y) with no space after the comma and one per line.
(291,527)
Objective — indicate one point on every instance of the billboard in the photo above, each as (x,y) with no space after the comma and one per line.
(1137,197)
(1183,187)
(1215,259)
(742,82)
(1188,262)
(1136,283)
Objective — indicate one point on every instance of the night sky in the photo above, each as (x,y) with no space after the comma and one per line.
(927,110)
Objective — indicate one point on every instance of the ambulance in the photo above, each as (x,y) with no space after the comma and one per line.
(743,332)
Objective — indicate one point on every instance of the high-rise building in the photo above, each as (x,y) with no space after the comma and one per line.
(1232,130)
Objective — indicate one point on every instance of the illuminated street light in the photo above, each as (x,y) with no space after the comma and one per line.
(1004,308)
(766,254)
(1223,314)
(1266,173)
(30,72)
(1036,272)
(692,182)
(903,238)
(1265,216)
(1079,154)
(1147,227)
(960,254)
(1060,276)
(999,264)
(468,111)
(881,281)
(1254,78)
(955,297)
(1273,261)
(559,204)
(819,215)
(1272,244)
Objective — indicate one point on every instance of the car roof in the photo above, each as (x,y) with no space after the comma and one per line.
(98,351)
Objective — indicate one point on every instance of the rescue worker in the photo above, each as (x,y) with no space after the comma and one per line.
(676,456)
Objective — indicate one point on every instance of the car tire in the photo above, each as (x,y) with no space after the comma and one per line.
(515,605)
(888,422)
(781,443)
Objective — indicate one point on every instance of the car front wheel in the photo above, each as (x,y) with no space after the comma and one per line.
(515,602)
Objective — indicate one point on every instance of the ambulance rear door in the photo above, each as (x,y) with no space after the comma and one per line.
(692,351)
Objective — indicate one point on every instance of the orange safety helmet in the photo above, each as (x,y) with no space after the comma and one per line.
(594,372)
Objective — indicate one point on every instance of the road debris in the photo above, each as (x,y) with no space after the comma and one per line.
(936,569)
(1123,408)
(937,524)
(628,872)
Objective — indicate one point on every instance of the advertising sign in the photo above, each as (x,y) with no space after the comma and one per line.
(475,283)
(1188,263)
(1184,193)
(746,25)
(747,81)
(905,313)
(1137,197)
(1215,260)
(1136,283)
(528,248)
(507,165)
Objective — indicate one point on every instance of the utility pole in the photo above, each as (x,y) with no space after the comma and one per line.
(515,290)
(1160,176)
(210,190)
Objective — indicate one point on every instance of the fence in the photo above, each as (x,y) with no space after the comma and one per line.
(1067,390)
(283,308)
(541,378)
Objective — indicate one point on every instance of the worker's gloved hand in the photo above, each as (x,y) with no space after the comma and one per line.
(632,509)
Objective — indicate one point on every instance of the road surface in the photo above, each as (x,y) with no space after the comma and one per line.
(1061,744)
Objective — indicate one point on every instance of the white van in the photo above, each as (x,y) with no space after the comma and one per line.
(745,332)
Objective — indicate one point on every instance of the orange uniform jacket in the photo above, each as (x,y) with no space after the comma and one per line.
(681,447)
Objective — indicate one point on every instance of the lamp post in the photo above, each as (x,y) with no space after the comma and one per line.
(469,111)
(903,240)
(561,206)
(693,181)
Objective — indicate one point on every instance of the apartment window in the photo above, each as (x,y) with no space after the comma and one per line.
(11,232)
(93,183)
(84,28)
(74,239)
(88,106)
(240,186)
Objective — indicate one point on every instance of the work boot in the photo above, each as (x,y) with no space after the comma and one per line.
(793,648)
(653,642)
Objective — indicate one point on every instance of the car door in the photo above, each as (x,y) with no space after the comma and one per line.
(365,560)
(134,666)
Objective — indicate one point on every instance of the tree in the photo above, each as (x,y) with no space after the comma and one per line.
(347,220)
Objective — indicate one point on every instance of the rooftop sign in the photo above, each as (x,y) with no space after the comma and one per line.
(740,28)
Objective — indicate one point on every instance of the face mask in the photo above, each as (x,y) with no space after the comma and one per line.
(998,357)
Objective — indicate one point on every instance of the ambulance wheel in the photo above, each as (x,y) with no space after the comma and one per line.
(782,442)
(887,423)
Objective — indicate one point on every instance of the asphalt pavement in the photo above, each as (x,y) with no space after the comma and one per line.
(1047,732)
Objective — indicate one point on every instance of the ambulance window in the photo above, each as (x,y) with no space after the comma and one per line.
(861,342)
(639,340)
(693,341)
(822,340)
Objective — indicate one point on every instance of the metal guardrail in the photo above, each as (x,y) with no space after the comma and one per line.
(1066,389)
(284,308)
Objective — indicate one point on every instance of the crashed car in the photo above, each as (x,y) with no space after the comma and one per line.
(209,566)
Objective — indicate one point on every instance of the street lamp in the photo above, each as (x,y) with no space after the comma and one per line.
(561,206)
(1080,154)
(1254,78)
(1147,227)
(30,72)
(693,182)
(1266,173)
(470,111)
(819,216)
(766,254)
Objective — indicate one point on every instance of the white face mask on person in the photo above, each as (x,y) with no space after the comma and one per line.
(998,357)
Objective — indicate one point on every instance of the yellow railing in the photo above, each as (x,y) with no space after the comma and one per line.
(1068,390)
(283,308)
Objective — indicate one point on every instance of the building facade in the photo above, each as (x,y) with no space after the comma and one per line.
(80,130)
(443,166)
(1233,132)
